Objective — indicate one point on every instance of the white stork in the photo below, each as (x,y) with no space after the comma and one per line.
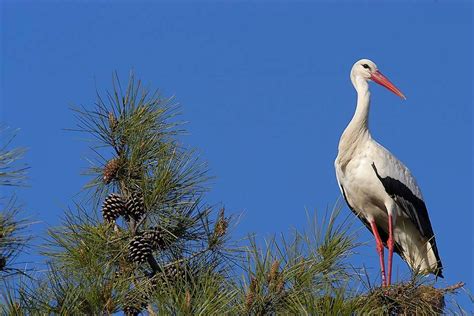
(380,190)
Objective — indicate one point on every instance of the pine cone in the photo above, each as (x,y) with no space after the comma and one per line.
(174,272)
(113,207)
(139,249)
(134,305)
(171,274)
(111,170)
(157,238)
(131,311)
(135,207)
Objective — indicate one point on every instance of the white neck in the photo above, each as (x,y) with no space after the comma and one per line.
(358,128)
(360,121)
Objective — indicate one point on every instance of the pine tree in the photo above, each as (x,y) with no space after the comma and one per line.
(141,238)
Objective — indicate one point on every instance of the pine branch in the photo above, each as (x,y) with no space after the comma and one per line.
(307,274)
(149,190)
(11,173)
(12,230)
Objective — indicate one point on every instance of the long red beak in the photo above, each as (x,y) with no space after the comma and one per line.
(383,81)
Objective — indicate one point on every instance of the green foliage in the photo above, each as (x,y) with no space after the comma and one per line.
(200,293)
(67,292)
(13,237)
(142,239)
(12,230)
(307,274)
(9,302)
(164,234)
(312,274)
(11,173)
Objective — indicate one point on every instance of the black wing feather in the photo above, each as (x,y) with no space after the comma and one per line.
(414,208)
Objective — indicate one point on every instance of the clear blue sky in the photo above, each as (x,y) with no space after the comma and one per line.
(266,89)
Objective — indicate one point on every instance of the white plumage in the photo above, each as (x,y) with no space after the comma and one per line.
(380,190)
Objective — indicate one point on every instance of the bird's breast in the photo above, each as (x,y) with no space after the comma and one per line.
(364,191)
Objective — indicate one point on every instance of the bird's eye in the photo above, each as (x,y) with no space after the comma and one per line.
(366,66)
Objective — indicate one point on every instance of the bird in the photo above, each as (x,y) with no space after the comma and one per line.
(380,190)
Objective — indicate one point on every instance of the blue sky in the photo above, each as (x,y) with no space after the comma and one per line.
(266,89)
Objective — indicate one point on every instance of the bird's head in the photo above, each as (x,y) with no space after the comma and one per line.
(367,70)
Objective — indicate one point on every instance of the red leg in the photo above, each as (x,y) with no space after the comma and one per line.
(379,246)
(390,248)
